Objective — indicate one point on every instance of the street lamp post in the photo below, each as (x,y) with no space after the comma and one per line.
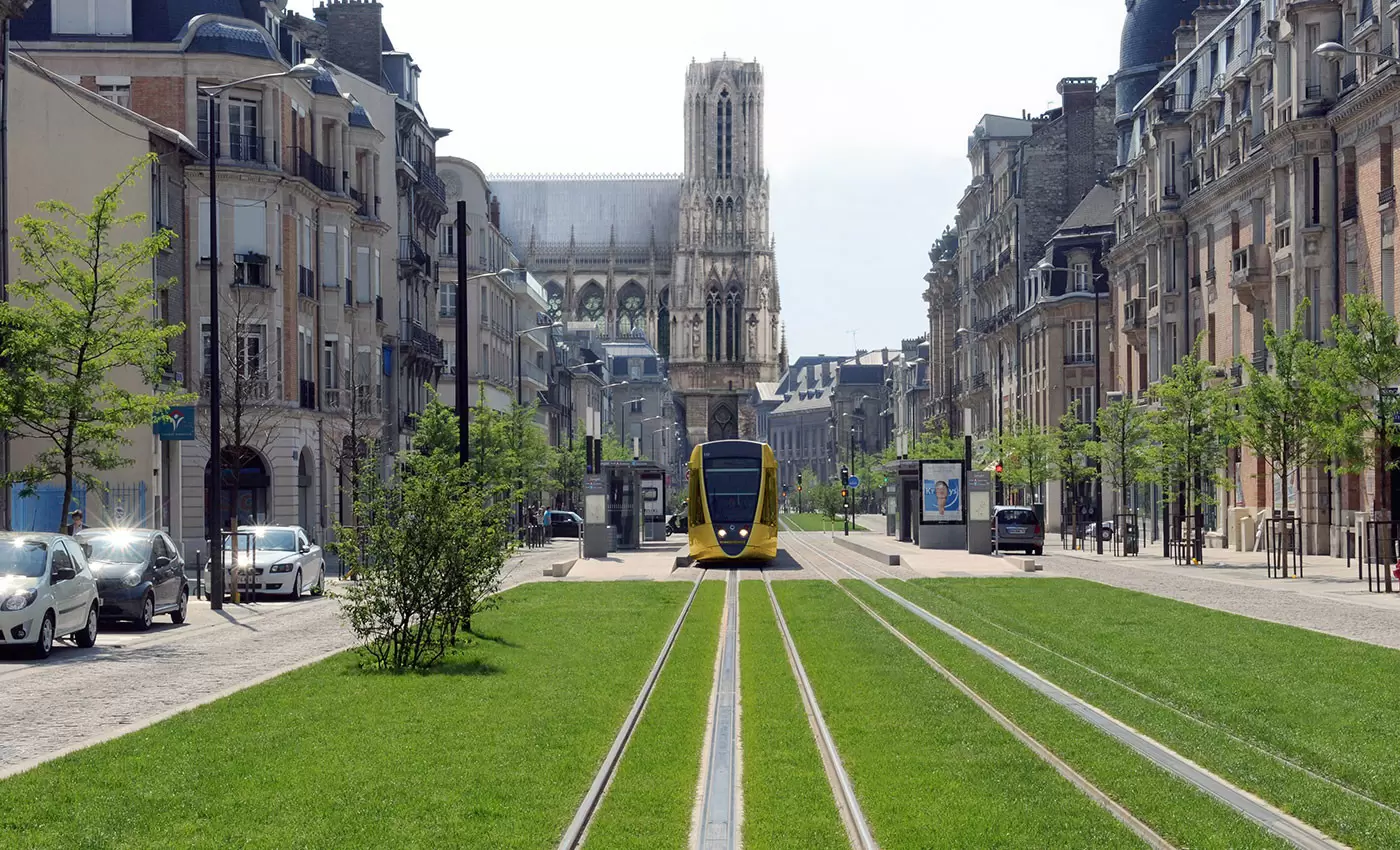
(213,522)
(851,499)
(463,330)
(1047,266)
(520,425)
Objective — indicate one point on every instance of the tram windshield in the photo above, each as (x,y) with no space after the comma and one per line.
(731,488)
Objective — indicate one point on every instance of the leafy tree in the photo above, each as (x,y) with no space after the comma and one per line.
(1286,417)
(570,465)
(613,449)
(1365,368)
(1026,452)
(1071,457)
(1122,446)
(936,443)
(78,332)
(1190,433)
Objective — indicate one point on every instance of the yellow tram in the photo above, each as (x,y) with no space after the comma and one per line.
(733,501)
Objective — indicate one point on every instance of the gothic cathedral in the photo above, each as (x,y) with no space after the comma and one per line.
(686,261)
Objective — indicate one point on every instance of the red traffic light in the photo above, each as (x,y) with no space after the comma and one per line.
(998,469)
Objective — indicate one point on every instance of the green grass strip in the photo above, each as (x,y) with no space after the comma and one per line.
(652,795)
(787,799)
(493,749)
(816,522)
(1227,669)
(1178,812)
(930,768)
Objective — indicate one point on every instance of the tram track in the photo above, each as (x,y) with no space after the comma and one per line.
(577,829)
(720,807)
(1273,820)
(852,816)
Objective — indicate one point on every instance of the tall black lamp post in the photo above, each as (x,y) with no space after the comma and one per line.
(213,520)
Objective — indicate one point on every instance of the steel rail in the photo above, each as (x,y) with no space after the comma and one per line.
(578,827)
(719,815)
(1281,824)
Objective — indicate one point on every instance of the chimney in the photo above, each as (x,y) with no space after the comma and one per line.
(1209,15)
(1185,39)
(355,36)
(1079,97)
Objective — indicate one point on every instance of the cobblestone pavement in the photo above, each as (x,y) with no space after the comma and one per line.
(109,690)
(529,564)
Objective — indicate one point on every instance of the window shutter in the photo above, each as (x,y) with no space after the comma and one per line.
(362,275)
(330,272)
(203,228)
(250,227)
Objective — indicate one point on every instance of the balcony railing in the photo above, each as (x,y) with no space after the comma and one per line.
(979,381)
(1079,358)
(1387,196)
(1349,210)
(341,401)
(250,270)
(362,204)
(306,166)
(1236,374)
(447,311)
(239,389)
(432,183)
(307,396)
(1348,80)
(411,253)
(1261,360)
(1135,314)
(1312,92)
(418,339)
(306,282)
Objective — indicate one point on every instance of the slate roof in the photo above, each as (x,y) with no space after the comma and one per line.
(591,210)
(1147,47)
(219,37)
(359,117)
(151,20)
(1095,211)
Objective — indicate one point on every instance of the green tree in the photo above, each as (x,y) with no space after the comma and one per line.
(613,449)
(936,443)
(570,465)
(1122,446)
(1026,452)
(79,331)
(1286,417)
(1072,452)
(1190,433)
(1365,368)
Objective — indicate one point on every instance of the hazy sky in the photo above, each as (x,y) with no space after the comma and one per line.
(869,106)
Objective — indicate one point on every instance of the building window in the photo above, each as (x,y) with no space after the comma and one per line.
(1080,278)
(1081,339)
(117,91)
(1082,400)
(447,301)
(91,17)
(449,354)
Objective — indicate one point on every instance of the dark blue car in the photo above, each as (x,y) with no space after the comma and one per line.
(140,574)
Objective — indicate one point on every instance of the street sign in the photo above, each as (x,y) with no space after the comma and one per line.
(178,425)
(855,481)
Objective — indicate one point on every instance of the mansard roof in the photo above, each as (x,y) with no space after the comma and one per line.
(151,20)
(1094,211)
(626,209)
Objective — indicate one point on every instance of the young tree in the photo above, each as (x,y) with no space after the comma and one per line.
(1190,433)
(613,449)
(79,333)
(1071,458)
(570,465)
(1122,445)
(1364,369)
(1286,415)
(355,421)
(1026,453)
(936,443)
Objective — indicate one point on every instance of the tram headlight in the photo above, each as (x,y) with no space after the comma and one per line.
(722,533)
(743,532)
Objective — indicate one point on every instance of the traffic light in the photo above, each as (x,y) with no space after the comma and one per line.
(799,488)
(999,467)
(843,492)
(799,481)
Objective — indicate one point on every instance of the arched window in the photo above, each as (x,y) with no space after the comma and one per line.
(554,295)
(724,136)
(631,310)
(733,323)
(590,305)
(663,324)
(714,325)
(729,215)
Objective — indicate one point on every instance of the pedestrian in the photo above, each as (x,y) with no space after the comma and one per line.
(75,522)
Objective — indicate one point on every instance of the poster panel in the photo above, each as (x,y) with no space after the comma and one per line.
(942,489)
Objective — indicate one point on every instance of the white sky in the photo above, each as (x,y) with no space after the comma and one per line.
(869,106)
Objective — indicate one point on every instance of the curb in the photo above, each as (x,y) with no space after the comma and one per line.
(559,569)
(886,558)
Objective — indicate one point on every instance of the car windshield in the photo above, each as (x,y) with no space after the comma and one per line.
(22,557)
(1015,518)
(273,540)
(118,548)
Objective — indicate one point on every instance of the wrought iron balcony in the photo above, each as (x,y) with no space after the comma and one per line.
(412,254)
(306,282)
(1079,358)
(432,183)
(1387,196)
(421,341)
(362,204)
(1349,210)
(306,166)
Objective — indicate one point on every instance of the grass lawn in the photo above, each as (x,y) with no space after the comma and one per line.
(930,768)
(1320,701)
(494,749)
(652,795)
(815,522)
(787,799)
(1175,810)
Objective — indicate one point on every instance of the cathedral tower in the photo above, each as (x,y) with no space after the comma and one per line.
(725,311)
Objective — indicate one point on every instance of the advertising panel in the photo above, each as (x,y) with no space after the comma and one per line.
(942,489)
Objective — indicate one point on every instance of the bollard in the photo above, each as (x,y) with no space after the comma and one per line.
(198,576)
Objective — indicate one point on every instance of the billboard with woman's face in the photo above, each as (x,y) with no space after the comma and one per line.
(942,489)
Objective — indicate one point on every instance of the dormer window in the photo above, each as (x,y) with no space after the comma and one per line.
(92,17)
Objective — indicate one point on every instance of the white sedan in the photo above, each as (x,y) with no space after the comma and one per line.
(47,591)
(275,559)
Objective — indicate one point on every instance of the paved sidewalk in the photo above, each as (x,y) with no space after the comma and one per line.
(107,691)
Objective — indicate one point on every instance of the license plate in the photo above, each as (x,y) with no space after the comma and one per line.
(1015,529)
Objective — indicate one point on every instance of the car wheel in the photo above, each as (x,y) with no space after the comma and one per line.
(320,587)
(44,645)
(178,615)
(1039,550)
(88,636)
(296,586)
(1106,534)
(148,613)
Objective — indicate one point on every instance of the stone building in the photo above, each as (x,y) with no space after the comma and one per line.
(322,335)
(800,429)
(907,388)
(687,259)
(1028,174)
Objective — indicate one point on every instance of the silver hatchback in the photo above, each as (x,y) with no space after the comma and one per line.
(1018,528)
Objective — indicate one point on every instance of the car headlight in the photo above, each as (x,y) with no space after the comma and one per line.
(722,533)
(282,568)
(132,578)
(19,601)
(743,532)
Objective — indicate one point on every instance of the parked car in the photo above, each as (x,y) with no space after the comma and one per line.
(1018,528)
(280,559)
(140,574)
(564,523)
(47,591)
(1106,531)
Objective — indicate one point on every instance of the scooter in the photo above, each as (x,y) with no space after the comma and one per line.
(677,523)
